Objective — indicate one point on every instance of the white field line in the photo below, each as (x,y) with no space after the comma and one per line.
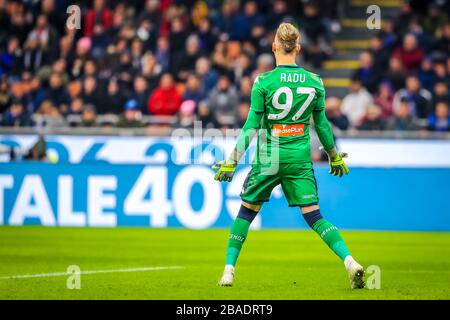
(61,274)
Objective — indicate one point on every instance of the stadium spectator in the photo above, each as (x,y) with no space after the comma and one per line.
(228,21)
(34,96)
(76,106)
(380,54)
(57,94)
(205,116)
(404,18)
(316,42)
(396,73)
(223,101)
(367,72)
(206,35)
(91,93)
(384,99)
(140,93)
(440,120)
(187,114)
(334,114)
(151,13)
(434,20)
(426,74)
(241,67)
(131,116)
(45,36)
(114,99)
(280,10)
(16,116)
(440,72)
(10,60)
(100,41)
(99,14)
(177,37)
(242,113)
(440,94)
(419,98)
(151,70)
(125,70)
(194,91)
(15,21)
(252,17)
(66,51)
(5,95)
(207,75)
(88,116)
(403,120)
(388,35)
(372,120)
(82,54)
(442,44)
(409,53)
(265,63)
(184,60)
(33,56)
(162,54)
(355,104)
(245,88)
(52,116)
(165,99)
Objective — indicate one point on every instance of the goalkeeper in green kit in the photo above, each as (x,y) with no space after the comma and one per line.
(282,103)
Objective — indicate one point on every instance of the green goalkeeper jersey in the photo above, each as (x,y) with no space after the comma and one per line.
(285,98)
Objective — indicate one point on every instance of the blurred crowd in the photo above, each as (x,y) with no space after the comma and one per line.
(136,63)
(403,79)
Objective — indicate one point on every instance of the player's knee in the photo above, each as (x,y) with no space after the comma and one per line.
(247,213)
(253,207)
(311,214)
(308,209)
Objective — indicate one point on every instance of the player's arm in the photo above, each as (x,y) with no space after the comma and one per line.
(325,134)
(249,130)
(225,169)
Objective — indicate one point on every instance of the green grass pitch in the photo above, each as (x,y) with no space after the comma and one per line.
(273,264)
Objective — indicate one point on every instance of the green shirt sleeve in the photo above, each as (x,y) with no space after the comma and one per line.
(323,129)
(321,123)
(252,124)
(257,97)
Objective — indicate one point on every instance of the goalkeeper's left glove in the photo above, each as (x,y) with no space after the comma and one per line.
(337,164)
(225,170)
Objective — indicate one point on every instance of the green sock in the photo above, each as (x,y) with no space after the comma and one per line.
(238,234)
(330,235)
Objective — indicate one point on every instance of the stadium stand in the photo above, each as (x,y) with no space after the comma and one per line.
(165,63)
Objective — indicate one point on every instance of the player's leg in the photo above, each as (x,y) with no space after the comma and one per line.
(300,187)
(238,234)
(256,190)
(331,236)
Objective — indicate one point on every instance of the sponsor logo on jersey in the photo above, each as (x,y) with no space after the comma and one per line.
(288,130)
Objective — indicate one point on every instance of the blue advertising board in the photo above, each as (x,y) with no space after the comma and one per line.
(168,195)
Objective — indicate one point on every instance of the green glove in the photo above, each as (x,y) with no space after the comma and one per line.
(337,165)
(225,170)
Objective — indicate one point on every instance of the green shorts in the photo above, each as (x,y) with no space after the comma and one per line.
(297,181)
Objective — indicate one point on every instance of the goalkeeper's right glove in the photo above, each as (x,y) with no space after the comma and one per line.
(225,170)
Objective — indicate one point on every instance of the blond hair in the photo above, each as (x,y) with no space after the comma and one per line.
(287,37)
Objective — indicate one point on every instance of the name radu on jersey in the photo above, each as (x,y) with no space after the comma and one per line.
(292,77)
